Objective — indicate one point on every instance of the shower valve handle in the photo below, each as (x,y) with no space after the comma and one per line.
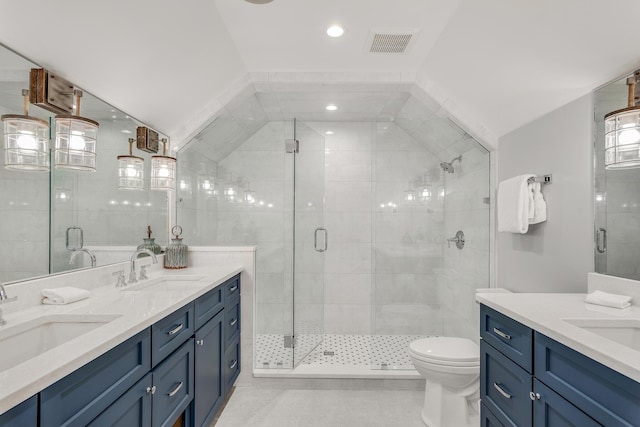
(458,240)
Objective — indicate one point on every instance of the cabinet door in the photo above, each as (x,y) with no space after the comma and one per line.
(208,373)
(173,379)
(133,409)
(23,415)
(551,410)
(487,419)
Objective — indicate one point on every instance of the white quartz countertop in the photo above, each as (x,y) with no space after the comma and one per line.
(545,313)
(136,311)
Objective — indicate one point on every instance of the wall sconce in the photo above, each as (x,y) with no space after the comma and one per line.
(76,140)
(622,132)
(26,140)
(131,170)
(163,170)
(249,196)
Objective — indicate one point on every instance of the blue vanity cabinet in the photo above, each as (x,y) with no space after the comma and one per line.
(78,398)
(23,415)
(209,394)
(567,388)
(487,419)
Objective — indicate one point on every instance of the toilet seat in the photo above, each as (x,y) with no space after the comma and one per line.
(449,351)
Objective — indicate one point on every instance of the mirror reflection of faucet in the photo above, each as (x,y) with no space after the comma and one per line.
(458,240)
(4,298)
(143,272)
(75,253)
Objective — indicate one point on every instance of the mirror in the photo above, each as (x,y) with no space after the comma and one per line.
(37,208)
(616,196)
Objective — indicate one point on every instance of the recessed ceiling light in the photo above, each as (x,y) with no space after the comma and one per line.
(329,132)
(259,1)
(331,107)
(335,31)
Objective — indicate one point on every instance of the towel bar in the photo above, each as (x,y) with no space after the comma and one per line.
(545,179)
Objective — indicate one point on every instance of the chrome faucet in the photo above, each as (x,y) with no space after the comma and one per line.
(134,256)
(75,253)
(4,298)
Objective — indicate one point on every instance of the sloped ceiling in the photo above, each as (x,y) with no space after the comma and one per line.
(501,63)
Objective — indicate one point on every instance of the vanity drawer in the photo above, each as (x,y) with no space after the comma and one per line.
(231,364)
(607,396)
(511,338)
(232,288)
(174,382)
(208,305)
(232,322)
(169,333)
(79,397)
(504,388)
(23,415)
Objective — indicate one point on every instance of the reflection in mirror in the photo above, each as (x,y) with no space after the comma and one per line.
(37,208)
(616,196)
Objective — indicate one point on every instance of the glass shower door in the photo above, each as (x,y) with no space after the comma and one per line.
(310,242)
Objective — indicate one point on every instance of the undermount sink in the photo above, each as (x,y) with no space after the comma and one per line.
(622,331)
(23,341)
(168,282)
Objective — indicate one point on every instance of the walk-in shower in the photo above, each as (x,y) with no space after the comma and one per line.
(350,224)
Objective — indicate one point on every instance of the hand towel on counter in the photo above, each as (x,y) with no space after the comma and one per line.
(64,295)
(539,206)
(513,204)
(608,300)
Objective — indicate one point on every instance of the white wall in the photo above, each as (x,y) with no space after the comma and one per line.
(554,256)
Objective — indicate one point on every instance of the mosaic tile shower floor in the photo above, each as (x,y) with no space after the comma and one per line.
(374,351)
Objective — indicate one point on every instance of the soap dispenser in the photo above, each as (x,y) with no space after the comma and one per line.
(176,254)
(150,243)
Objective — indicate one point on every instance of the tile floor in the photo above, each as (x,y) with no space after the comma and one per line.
(268,407)
(374,351)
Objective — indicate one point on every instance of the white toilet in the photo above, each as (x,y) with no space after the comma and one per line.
(451,367)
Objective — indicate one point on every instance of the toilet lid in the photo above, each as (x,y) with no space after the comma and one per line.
(446,349)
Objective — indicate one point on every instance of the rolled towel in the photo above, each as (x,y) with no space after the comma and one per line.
(608,300)
(64,295)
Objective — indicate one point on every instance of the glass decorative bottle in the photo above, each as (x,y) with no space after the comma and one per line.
(175,256)
(150,243)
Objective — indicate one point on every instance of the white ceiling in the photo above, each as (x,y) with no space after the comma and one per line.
(501,63)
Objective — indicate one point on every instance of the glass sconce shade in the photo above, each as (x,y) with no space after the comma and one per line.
(26,143)
(425,194)
(130,173)
(76,140)
(622,139)
(409,195)
(163,173)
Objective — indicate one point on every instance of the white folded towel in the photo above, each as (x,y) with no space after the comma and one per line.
(608,300)
(513,204)
(539,206)
(64,295)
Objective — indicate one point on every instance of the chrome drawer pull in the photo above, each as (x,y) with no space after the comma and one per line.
(233,288)
(501,391)
(175,390)
(502,334)
(175,330)
(151,390)
(233,322)
(233,364)
(534,396)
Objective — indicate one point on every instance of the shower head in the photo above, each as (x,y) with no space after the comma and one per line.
(448,166)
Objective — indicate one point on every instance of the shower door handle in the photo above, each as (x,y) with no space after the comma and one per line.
(315,239)
(601,240)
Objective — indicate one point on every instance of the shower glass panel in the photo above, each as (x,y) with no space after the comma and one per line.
(310,242)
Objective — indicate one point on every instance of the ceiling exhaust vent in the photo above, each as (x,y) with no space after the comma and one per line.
(390,40)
